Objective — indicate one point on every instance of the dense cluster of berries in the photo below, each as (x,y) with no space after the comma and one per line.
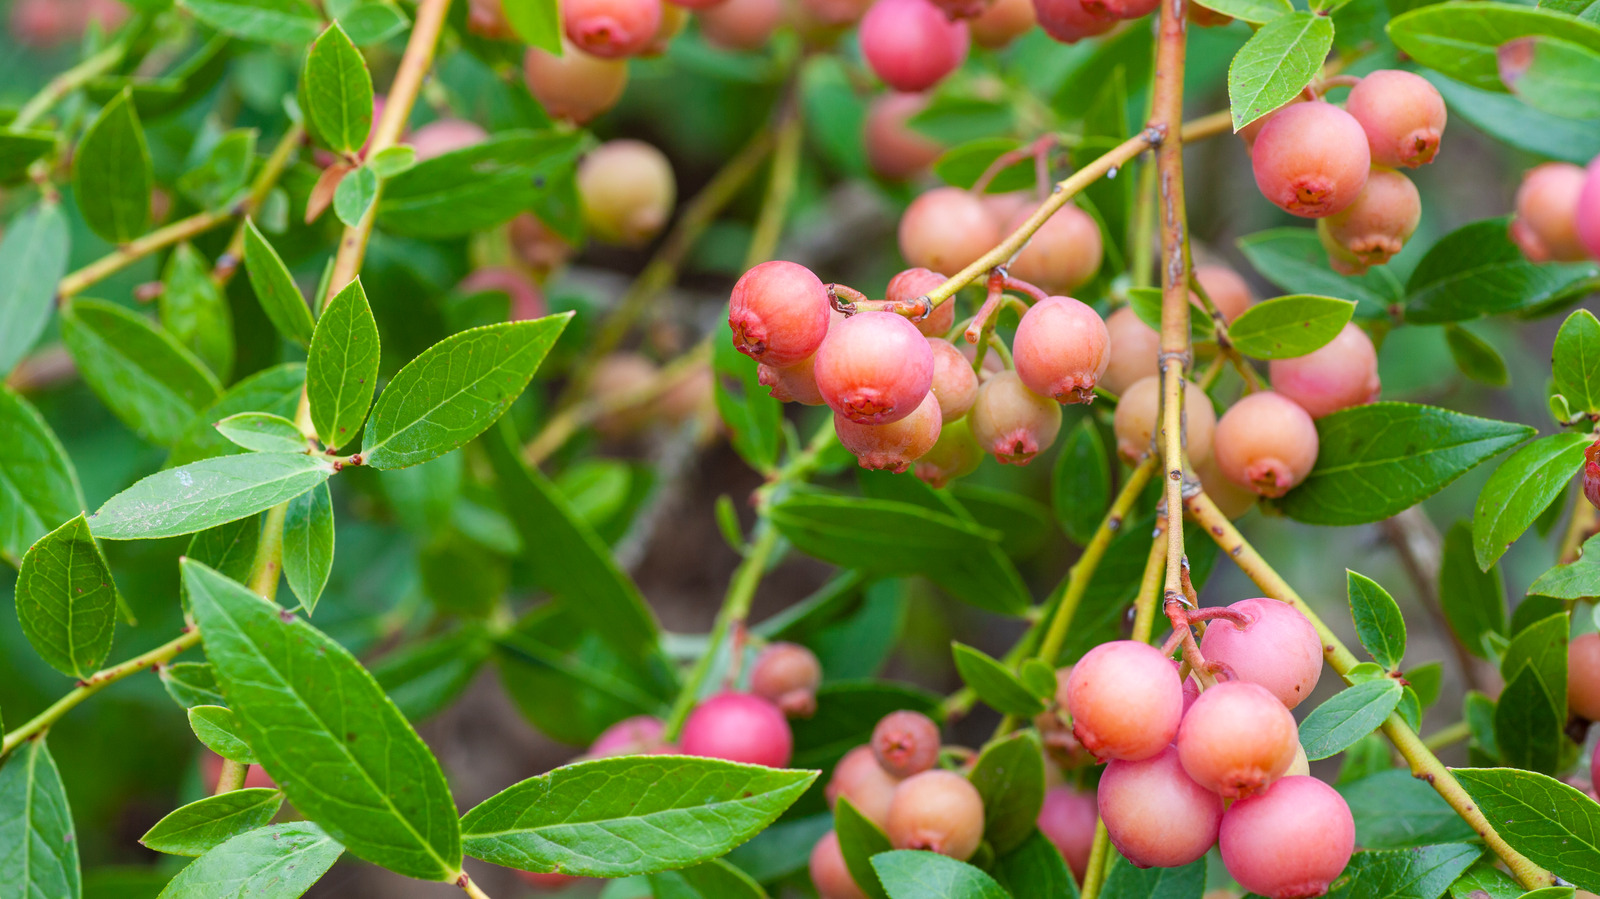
(1558,213)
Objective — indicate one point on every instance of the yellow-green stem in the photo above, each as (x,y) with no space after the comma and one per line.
(268,563)
(181,230)
(67,82)
(231,777)
(1094,875)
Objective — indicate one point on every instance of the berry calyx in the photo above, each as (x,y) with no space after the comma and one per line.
(939,811)
(779,314)
(1236,739)
(905,743)
(1266,443)
(859,778)
(611,29)
(627,191)
(1311,159)
(1125,700)
(738,727)
(1290,841)
(1061,349)
(893,446)
(1012,422)
(911,44)
(1154,812)
(874,368)
(1138,420)
(1337,375)
(1374,228)
(1274,646)
(1402,115)
(787,675)
(946,229)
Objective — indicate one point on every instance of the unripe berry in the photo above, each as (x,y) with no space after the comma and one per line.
(1340,374)
(1061,349)
(1067,820)
(611,29)
(1063,254)
(1289,842)
(1138,420)
(525,301)
(1002,22)
(779,314)
(1013,422)
(955,454)
(859,778)
(905,742)
(1301,766)
(1267,443)
(673,20)
(1402,114)
(955,384)
(1135,351)
(874,368)
(1237,739)
(1068,21)
(1120,9)
(738,727)
(1546,224)
(1275,647)
(828,871)
(627,191)
(536,245)
(946,229)
(741,24)
(1155,814)
(1229,292)
(795,383)
(443,136)
(1589,211)
(1583,676)
(640,734)
(1125,699)
(1231,499)
(1376,226)
(618,375)
(939,811)
(915,282)
(787,675)
(911,45)
(894,149)
(1311,160)
(574,86)
(893,446)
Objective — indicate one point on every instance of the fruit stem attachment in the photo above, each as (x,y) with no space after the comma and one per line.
(470,888)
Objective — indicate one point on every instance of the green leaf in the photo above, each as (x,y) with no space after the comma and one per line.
(1347,716)
(1010,777)
(1476,357)
(478,187)
(1484,881)
(1253,11)
(1294,259)
(846,713)
(111,176)
(218,728)
(38,485)
(455,390)
(201,826)
(1473,600)
(1476,270)
(715,879)
(368,21)
(993,683)
(1520,489)
(1081,482)
(961,166)
(19,149)
(225,172)
(536,22)
(859,840)
(1036,865)
(191,684)
(781,849)
(194,311)
(754,418)
(1551,823)
(354,195)
(280,861)
(909,874)
(336,92)
(275,290)
(274,390)
(1039,678)
(1517,124)
(1277,63)
(262,432)
(67,601)
(391,161)
(425,676)
(154,385)
(308,544)
(1542,645)
(207,493)
(38,844)
(325,732)
(1290,326)
(1124,881)
(1421,873)
(1460,39)
(1146,303)
(1394,810)
(1383,458)
(33,254)
(1528,723)
(1378,621)
(267,21)
(632,815)
(1576,365)
(569,682)
(342,367)
(1575,580)
(1553,76)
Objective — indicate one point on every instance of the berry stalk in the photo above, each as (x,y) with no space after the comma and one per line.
(231,777)
(781,182)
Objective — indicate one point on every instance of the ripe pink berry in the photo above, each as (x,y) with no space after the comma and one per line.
(1125,700)
(893,446)
(1003,22)
(741,24)
(1067,820)
(828,872)
(946,229)
(442,136)
(1120,9)
(1155,814)
(1013,422)
(1546,225)
(1311,160)
(1249,132)
(611,29)
(1276,648)
(1588,216)
(1135,351)
(795,383)
(1266,442)
(915,282)
(874,368)
(787,675)
(1237,739)
(1063,254)
(574,86)
(905,742)
(525,300)
(545,881)
(640,734)
(894,149)
(1402,114)
(859,778)
(955,454)
(1289,842)
(1583,676)
(1068,21)
(1138,420)
(738,727)
(955,384)
(779,313)
(1337,375)
(1376,226)
(939,811)
(627,191)
(1229,292)
(1061,349)
(536,245)
(911,44)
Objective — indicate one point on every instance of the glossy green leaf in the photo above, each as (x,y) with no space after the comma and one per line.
(1476,270)
(1347,716)
(1378,460)
(425,676)
(536,22)
(1294,259)
(1460,39)
(1277,63)
(38,843)
(859,840)
(368,21)
(715,879)
(1552,75)
(846,713)
(154,385)
(782,849)
(1473,600)
(38,485)
(1576,361)
(909,874)
(191,684)
(342,367)
(1484,881)
(1291,326)
(994,684)
(308,544)
(1520,489)
(1036,865)
(218,728)
(1080,484)
(207,493)
(19,149)
(455,390)
(280,861)
(1124,881)
(201,826)
(1038,677)
(274,390)
(267,21)
(325,732)
(1010,777)
(354,195)
(1517,124)
(194,310)
(111,176)
(1378,621)
(33,254)
(1253,11)
(1146,303)
(1575,580)
(262,432)
(478,187)
(1544,819)
(753,416)
(336,92)
(230,549)
(1541,645)
(1421,873)
(67,601)
(1394,810)
(1025,524)
(224,174)
(275,290)
(1477,358)
(1528,721)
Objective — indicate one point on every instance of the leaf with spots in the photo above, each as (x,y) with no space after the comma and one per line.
(342,368)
